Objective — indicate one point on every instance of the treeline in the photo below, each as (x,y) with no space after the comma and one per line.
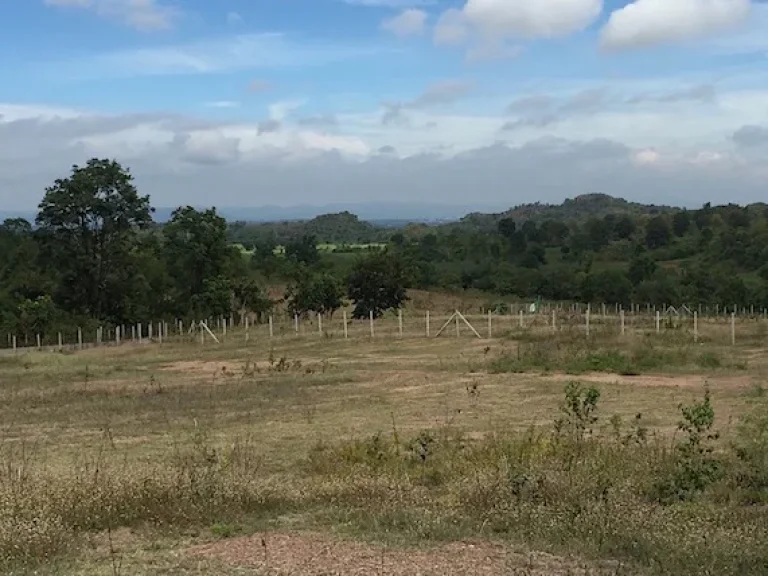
(710,256)
(95,257)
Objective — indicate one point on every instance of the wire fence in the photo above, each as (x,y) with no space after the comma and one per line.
(721,327)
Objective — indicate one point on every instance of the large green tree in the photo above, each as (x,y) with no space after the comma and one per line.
(200,261)
(377,283)
(88,223)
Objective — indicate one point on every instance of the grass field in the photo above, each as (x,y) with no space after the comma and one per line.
(316,455)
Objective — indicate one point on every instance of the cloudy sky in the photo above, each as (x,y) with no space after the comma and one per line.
(485,102)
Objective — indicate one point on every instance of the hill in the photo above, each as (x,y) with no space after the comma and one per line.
(572,209)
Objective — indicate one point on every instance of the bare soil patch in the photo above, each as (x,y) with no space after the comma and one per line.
(309,554)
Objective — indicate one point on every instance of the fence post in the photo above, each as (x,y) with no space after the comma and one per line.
(344,319)
(370,317)
(733,329)
(117,335)
(139,331)
(427,323)
(271,326)
(520,315)
(586,318)
(61,344)
(296,323)
(13,343)
(160,332)
(224,327)
(79,339)
(39,344)
(490,325)
(320,323)
(400,322)
(457,325)
(246,328)
(554,321)
(658,321)
(695,326)
(621,313)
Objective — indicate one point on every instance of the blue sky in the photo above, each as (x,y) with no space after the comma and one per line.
(306,84)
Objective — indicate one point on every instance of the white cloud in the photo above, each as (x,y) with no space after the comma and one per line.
(139,14)
(451,28)
(529,19)
(651,22)
(661,150)
(409,22)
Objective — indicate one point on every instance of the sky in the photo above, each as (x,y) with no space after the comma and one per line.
(442,102)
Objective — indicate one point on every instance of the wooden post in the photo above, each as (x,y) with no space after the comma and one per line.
(586,319)
(344,319)
(427,323)
(658,321)
(160,332)
(733,329)
(61,343)
(490,325)
(370,317)
(39,344)
(400,322)
(150,331)
(296,323)
(117,335)
(224,327)
(457,325)
(554,321)
(603,311)
(202,333)
(13,343)
(520,315)
(621,314)
(247,335)
(271,327)
(79,339)
(320,324)
(695,326)
(139,331)
(133,333)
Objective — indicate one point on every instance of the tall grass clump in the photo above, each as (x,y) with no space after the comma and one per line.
(577,355)
(686,507)
(43,512)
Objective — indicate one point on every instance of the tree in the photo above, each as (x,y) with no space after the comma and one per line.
(641,267)
(377,283)
(249,297)
(320,293)
(624,227)
(507,227)
(657,233)
(89,221)
(199,259)
(303,250)
(681,221)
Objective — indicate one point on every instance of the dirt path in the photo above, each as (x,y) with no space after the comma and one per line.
(309,554)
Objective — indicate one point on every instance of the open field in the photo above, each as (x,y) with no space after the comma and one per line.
(318,455)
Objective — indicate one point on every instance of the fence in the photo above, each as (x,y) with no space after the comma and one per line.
(575,320)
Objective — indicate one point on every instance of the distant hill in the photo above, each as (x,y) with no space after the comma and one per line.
(579,208)
(340,228)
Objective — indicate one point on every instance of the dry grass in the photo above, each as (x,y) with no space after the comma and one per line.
(205,442)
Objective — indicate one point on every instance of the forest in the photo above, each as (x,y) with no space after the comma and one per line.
(94,255)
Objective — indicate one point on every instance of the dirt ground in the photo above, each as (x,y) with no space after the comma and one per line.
(313,554)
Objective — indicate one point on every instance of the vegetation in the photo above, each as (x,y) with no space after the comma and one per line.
(616,475)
